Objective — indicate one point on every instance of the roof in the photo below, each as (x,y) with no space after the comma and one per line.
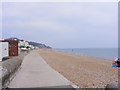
(8,41)
(1,39)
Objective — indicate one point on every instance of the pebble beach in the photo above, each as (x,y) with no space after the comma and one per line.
(83,71)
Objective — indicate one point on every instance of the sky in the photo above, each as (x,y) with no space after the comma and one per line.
(62,25)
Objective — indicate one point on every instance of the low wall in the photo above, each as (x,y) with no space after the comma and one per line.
(9,67)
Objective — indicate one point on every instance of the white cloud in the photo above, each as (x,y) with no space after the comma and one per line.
(56,10)
(69,21)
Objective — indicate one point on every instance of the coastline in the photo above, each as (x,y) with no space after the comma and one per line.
(110,53)
(84,55)
(83,71)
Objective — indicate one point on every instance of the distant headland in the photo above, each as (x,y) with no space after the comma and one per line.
(35,44)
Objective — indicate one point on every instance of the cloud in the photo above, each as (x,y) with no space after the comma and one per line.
(56,11)
(66,21)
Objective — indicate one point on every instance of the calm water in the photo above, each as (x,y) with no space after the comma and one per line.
(106,53)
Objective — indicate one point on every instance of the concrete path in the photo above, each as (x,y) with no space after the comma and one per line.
(35,73)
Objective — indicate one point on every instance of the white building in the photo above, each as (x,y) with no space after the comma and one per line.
(4,50)
(22,43)
(25,45)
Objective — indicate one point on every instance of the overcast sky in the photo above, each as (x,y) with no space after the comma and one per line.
(63,25)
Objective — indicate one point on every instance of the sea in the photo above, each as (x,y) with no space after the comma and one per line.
(105,53)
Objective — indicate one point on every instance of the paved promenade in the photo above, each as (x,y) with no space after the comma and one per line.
(35,73)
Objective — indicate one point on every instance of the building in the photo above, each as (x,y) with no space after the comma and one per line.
(8,48)
(24,45)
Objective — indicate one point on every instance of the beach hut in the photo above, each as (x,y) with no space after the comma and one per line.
(8,48)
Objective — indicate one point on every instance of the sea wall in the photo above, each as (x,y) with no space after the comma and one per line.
(8,67)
